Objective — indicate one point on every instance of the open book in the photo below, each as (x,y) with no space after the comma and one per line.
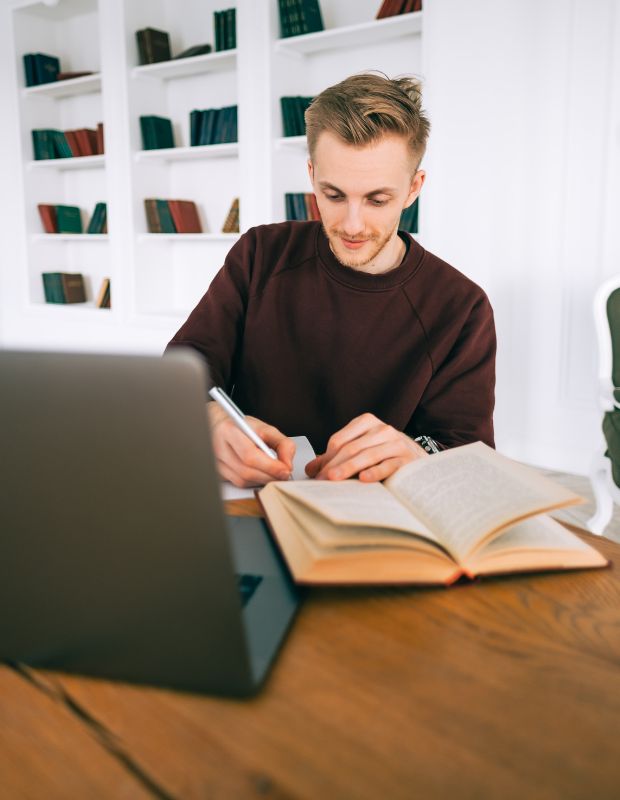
(467,511)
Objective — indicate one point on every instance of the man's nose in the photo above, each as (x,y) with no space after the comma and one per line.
(353,223)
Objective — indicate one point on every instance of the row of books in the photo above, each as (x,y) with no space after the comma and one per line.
(42,68)
(293,110)
(68,219)
(68,287)
(393,8)
(181,216)
(50,143)
(299,16)
(213,126)
(303,206)
(154,45)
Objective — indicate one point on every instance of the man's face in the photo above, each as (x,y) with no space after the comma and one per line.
(361,192)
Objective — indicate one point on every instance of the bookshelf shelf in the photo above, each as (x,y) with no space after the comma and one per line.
(69,88)
(189,153)
(292,143)
(182,67)
(77,162)
(70,237)
(188,237)
(379,30)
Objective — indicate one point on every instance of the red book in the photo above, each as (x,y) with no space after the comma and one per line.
(99,149)
(185,216)
(48,217)
(84,142)
(313,208)
(391,8)
(73,143)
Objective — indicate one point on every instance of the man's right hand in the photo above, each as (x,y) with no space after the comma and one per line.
(239,460)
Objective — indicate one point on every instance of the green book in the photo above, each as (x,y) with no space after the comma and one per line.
(156,132)
(165,217)
(98,219)
(43,144)
(409,218)
(61,145)
(69,219)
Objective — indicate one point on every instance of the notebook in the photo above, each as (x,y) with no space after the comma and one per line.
(118,558)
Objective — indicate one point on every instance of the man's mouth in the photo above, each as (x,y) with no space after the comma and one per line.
(353,244)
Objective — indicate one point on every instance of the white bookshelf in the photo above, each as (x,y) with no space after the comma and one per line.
(157,278)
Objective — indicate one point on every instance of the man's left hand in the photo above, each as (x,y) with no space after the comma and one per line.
(367,448)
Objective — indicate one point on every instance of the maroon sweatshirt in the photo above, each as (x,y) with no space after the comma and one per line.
(306,344)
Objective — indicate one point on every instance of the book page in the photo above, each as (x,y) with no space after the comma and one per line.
(356,504)
(468,494)
(540,542)
(304,453)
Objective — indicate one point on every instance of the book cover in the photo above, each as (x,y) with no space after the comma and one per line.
(99,143)
(165,217)
(231,223)
(48,217)
(85,138)
(43,144)
(311,16)
(152,217)
(97,223)
(40,68)
(61,145)
(103,295)
(196,50)
(153,46)
(64,287)
(74,144)
(68,219)
(185,216)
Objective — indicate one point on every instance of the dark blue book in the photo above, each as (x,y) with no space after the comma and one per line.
(40,68)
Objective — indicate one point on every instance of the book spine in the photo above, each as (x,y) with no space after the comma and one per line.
(152,217)
(73,287)
(165,217)
(48,217)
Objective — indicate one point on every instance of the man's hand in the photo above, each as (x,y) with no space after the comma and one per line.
(366,447)
(239,460)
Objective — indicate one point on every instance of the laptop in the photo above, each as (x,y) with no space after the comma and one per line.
(117,557)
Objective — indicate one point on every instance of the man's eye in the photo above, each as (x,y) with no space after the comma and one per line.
(333,196)
(378,202)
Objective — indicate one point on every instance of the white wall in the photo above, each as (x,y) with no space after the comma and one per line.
(523,195)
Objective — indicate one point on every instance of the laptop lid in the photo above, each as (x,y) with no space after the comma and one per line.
(117,557)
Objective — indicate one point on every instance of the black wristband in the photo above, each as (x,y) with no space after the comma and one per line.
(428,444)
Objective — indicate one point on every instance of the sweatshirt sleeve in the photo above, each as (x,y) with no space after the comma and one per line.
(457,405)
(215,327)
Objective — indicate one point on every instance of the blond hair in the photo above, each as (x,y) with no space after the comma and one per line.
(363,108)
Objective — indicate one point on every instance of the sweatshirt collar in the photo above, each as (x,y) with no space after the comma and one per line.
(363,280)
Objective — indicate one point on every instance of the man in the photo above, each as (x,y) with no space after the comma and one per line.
(347,330)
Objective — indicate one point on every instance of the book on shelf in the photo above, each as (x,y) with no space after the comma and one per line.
(409,218)
(156,132)
(68,219)
(49,143)
(67,76)
(231,223)
(64,287)
(196,50)
(103,299)
(463,512)
(40,68)
(393,8)
(293,115)
(301,206)
(47,213)
(98,220)
(299,16)
(153,46)
(171,216)
(213,126)
(225,28)
(185,216)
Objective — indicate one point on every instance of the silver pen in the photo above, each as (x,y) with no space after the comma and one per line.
(238,417)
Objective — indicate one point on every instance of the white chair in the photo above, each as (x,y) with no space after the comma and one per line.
(607,320)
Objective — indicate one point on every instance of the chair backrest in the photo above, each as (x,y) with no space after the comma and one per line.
(607,320)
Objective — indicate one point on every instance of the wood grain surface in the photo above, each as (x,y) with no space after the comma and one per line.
(498,688)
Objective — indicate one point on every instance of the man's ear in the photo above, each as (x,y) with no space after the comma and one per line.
(310,171)
(416,187)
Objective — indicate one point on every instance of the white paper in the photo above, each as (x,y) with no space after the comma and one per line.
(303,453)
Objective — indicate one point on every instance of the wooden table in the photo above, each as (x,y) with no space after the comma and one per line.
(501,688)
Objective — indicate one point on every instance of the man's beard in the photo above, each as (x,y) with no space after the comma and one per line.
(375,243)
